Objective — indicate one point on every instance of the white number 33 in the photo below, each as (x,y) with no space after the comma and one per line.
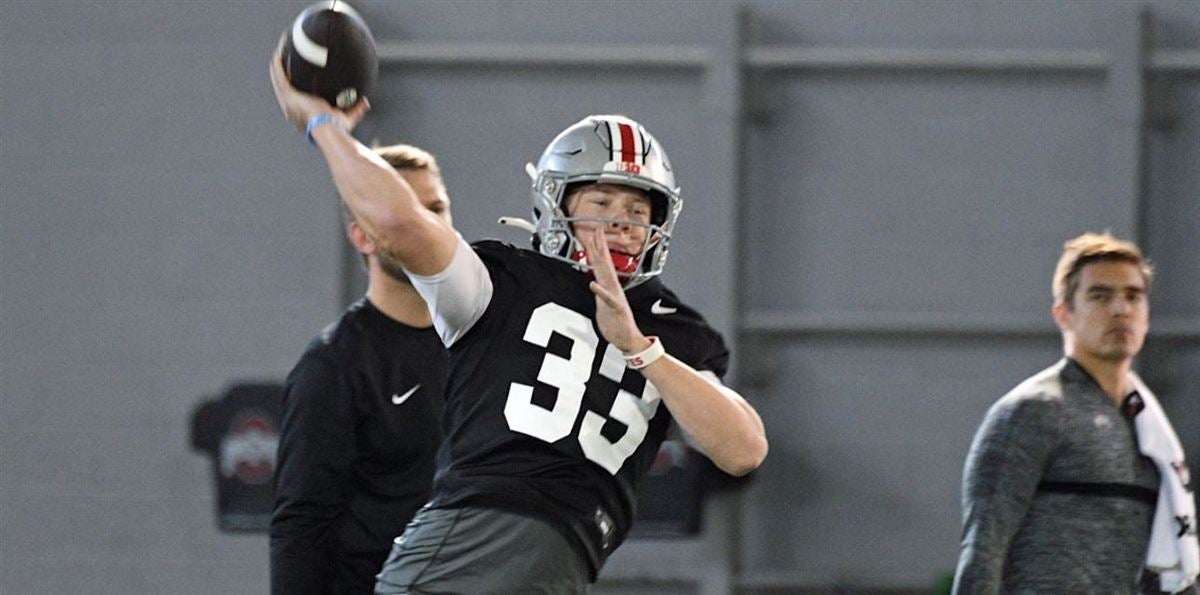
(570,377)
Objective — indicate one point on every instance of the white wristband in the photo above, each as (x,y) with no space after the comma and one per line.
(647,356)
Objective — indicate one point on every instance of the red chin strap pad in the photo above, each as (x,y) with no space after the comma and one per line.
(625,264)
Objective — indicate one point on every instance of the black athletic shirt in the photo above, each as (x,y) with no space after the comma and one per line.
(537,401)
(359,434)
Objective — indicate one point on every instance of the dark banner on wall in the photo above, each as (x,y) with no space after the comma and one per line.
(239,431)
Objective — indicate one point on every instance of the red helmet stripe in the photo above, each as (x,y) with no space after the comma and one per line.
(628,150)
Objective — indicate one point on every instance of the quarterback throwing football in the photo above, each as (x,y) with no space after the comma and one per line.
(567,362)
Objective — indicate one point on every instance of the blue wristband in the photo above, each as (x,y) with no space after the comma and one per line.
(315,121)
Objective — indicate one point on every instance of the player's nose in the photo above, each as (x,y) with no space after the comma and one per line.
(618,222)
(1120,307)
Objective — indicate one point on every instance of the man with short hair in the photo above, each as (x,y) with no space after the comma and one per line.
(361,419)
(1075,482)
(568,362)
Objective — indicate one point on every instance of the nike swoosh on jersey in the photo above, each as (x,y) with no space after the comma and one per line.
(400,399)
(658,308)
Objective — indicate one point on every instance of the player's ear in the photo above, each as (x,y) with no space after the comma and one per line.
(1060,313)
(359,238)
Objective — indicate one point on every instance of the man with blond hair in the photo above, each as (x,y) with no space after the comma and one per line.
(1075,482)
(361,418)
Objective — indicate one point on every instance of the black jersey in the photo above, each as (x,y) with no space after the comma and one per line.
(361,427)
(542,415)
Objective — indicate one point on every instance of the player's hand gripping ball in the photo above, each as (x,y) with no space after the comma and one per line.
(329,52)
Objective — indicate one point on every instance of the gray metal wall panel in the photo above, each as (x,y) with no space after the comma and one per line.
(543,21)
(160,236)
(939,193)
(1173,203)
(923,24)
(1177,23)
(868,440)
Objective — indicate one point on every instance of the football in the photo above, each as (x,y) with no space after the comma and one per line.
(329,52)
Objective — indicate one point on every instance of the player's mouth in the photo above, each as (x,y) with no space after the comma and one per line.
(620,245)
(623,262)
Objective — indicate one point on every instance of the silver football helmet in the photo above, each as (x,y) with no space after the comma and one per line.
(610,150)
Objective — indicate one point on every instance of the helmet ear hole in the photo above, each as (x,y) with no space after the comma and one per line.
(556,242)
(658,208)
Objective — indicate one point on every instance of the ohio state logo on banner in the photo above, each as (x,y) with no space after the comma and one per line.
(248,447)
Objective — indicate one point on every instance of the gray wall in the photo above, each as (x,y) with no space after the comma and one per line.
(876,192)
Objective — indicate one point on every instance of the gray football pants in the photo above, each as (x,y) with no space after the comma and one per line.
(471,551)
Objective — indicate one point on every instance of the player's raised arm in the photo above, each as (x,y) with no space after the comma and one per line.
(381,199)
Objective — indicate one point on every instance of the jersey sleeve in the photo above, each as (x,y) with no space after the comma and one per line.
(1000,479)
(316,449)
(458,296)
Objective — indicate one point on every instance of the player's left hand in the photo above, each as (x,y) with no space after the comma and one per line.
(613,314)
(298,106)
